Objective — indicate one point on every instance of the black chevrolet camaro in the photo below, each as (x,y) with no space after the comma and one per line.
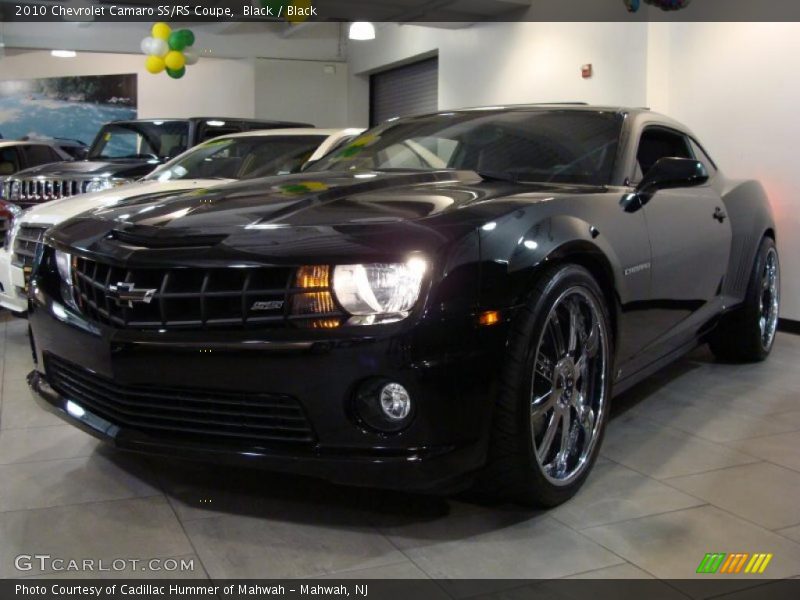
(449,300)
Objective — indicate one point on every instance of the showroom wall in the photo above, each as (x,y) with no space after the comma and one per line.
(494,63)
(266,88)
(302,90)
(733,83)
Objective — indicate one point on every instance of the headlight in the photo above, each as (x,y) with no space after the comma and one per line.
(98,185)
(379,292)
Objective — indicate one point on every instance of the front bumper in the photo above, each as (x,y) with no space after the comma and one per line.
(449,368)
(12,284)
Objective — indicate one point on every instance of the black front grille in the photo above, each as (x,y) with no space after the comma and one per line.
(260,418)
(26,244)
(189,298)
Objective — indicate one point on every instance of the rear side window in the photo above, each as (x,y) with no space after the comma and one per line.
(658,143)
(700,154)
(9,161)
(39,155)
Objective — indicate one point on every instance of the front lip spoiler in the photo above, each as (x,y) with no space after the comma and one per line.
(426,470)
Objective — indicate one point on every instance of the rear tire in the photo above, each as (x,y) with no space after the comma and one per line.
(553,405)
(748,333)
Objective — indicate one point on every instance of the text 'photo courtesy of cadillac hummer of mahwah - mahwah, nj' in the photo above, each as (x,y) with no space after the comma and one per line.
(447,301)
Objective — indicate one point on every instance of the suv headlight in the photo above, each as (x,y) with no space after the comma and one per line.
(99,185)
(379,292)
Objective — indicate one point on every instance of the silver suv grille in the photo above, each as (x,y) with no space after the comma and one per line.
(36,190)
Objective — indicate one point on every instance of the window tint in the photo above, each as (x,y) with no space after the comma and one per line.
(241,158)
(9,161)
(141,139)
(208,132)
(564,146)
(657,143)
(39,155)
(701,155)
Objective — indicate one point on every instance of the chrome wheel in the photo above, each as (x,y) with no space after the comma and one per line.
(770,299)
(568,389)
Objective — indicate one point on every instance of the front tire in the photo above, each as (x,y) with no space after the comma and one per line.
(748,334)
(552,409)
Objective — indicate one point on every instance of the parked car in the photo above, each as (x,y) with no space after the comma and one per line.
(17,156)
(218,161)
(122,152)
(376,320)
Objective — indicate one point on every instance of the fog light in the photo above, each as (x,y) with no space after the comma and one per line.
(395,401)
(384,406)
(75,410)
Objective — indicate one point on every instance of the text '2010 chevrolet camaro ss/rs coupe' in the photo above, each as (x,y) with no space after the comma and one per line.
(448,300)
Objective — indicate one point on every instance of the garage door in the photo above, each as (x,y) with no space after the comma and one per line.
(406,90)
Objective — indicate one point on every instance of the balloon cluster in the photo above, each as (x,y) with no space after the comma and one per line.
(169,50)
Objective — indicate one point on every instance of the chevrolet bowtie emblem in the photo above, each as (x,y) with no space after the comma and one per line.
(125,294)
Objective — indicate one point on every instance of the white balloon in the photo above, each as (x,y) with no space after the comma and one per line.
(159,47)
(191,55)
(145,45)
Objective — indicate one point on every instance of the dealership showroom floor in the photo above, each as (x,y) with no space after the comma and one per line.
(420,248)
(703,456)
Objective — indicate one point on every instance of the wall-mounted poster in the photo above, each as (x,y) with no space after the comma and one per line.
(65,107)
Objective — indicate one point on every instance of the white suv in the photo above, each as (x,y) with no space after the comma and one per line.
(215,162)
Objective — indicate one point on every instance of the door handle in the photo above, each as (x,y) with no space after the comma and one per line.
(720,215)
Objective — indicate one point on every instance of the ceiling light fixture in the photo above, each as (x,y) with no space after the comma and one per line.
(63,53)
(362,30)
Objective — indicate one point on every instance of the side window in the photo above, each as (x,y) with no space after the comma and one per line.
(39,155)
(9,161)
(701,155)
(657,143)
(208,132)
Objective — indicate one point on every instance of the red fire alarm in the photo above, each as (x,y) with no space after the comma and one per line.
(587,71)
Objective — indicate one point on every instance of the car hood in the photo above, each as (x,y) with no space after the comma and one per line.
(312,214)
(56,211)
(92,168)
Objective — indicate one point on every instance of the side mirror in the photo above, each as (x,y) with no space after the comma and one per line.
(672,173)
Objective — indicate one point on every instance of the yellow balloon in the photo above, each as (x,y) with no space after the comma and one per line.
(174,60)
(299,10)
(161,31)
(154,64)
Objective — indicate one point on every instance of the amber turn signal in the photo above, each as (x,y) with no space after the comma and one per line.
(489,318)
(313,276)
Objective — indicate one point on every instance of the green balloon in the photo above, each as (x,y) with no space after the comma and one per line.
(177,41)
(188,37)
(176,73)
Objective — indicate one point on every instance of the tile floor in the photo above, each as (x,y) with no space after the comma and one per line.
(702,458)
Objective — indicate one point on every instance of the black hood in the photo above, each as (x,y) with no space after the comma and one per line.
(388,213)
(125,168)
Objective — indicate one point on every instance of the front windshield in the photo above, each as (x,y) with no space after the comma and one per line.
(536,145)
(157,140)
(245,157)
